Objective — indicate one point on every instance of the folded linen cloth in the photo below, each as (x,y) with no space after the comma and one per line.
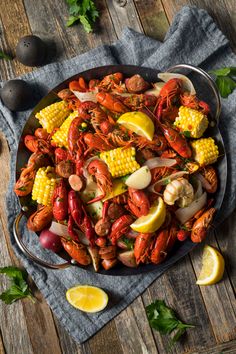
(192,38)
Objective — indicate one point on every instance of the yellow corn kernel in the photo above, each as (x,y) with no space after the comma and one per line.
(53,116)
(44,184)
(120,161)
(60,138)
(192,121)
(205,151)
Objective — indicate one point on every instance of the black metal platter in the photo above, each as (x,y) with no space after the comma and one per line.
(150,75)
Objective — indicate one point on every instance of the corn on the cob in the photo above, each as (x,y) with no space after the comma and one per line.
(120,161)
(44,184)
(205,151)
(192,121)
(53,116)
(61,135)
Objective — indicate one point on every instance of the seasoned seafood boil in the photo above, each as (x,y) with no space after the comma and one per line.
(122,169)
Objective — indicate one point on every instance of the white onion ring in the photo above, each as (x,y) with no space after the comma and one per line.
(188,85)
(86,96)
(62,230)
(159,162)
(163,181)
(198,192)
(184,214)
(203,181)
(157,86)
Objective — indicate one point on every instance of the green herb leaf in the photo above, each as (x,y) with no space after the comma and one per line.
(187,133)
(226,85)
(128,242)
(220,72)
(4,56)
(83,11)
(19,287)
(164,319)
(224,80)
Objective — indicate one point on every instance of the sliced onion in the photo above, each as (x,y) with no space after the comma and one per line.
(203,181)
(86,96)
(163,181)
(184,214)
(157,86)
(62,230)
(198,192)
(159,162)
(187,82)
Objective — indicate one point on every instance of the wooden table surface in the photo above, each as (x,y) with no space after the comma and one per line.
(32,328)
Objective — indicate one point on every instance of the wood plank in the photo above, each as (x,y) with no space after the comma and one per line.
(2,349)
(134,332)
(68,345)
(37,317)
(178,289)
(221,12)
(227,243)
(219,299)
(66,42)
(123,16)
(153,18)
(15,25)
(106,340)
(225,348)
(13,326)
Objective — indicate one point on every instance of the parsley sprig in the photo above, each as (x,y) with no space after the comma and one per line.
(4,56)
(164,320)
(19,287)
(225,80)
(83,11)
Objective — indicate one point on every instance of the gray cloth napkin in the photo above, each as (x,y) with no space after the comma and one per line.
(192,38)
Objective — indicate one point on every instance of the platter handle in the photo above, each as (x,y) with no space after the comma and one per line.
(209,80)
(27,253)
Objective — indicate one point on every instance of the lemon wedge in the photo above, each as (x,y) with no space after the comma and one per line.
(138,123)
(118,187)
(87,298)
(213,266)
(153,220)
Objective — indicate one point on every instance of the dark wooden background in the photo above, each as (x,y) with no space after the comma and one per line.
(27,328)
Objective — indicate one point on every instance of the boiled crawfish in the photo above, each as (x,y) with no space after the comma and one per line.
(110,101)
(100,171)
(138,202)
(60,203)
(40,219)
(77,251)
(200,226)
(120,227)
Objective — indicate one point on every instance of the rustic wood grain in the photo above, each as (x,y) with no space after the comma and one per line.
(211,308)
(153,18)
(123,16)
(15,25)
(106,340)
(178,289)
(219,299)
(134,331)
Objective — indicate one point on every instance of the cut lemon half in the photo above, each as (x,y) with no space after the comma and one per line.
(87,298)
(213,266)
(138,123)
(153,220)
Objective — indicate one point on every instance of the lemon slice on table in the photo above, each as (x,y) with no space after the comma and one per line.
(153,220)
(87,298)
(213,266)
(138,123)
